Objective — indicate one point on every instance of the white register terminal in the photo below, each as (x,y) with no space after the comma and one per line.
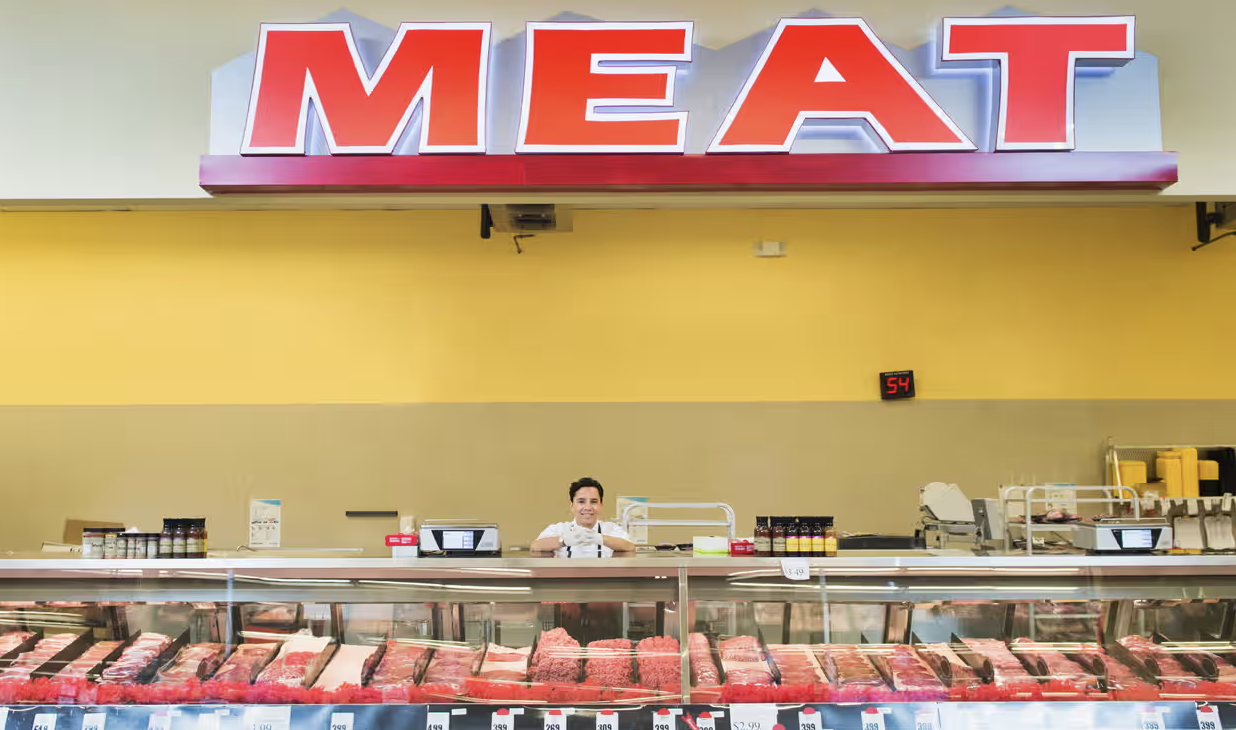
(1123,535)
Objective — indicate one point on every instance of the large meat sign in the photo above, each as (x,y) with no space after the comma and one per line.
(609,87)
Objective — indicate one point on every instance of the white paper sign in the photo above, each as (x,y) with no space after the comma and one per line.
(554,720)
(438,721)
(1208,718)
(158,721)
(753,717)
(796,569)
(267,718)
(607,720)
(94,720)
(341,721)
(706,721)
(265,517)
(809,719)
(44,721)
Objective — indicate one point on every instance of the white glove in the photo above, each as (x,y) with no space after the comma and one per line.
(589,538)
(574,536)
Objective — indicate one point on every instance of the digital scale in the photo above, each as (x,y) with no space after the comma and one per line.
(460,539)
(1123,535)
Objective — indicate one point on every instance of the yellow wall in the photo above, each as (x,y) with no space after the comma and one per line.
(308,307)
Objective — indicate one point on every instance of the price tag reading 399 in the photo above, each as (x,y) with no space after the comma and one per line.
(662,720)
(1151,720)
(1208,718)
(873,719)
(809,719)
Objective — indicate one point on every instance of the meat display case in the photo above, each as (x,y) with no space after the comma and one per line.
(931,642)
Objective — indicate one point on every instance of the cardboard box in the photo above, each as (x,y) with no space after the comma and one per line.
(73,529)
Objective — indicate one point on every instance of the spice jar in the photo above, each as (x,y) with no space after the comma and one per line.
(165,540)
(92,542)
(111,537)
(830,538)
(180,538)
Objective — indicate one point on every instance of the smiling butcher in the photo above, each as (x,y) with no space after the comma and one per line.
(586,534)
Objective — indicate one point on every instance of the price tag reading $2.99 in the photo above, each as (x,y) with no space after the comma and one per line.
(607,720)
(753,717)
(555,720)
(45,721)
(1208,718)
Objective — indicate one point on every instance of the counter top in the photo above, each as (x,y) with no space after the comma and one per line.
(670,564)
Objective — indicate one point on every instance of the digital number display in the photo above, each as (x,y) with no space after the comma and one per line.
(457,540)
(896,385)
(1136,539)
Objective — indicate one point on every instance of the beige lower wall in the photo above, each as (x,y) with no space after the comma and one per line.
(860,461)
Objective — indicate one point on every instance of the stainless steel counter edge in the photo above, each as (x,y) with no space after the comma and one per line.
(923,564)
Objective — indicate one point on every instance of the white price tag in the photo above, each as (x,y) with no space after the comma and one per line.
(662,720)
(555,720)
(45,721)
(502,720)
(208,721)
(94,720)
(607,720)
(1208,718)
(341,720)
(925,719)
(753,717)
(268,718)
(1151,720)
(809,719)
(795,569)
(873,718)
(158,721)
(438,721)
(4,717)
(706,721)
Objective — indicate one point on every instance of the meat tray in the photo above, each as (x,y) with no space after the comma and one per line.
(1048,661)
(752,657)
(52,666)
(283,669)
(21,648)
(147,672)
(329,678)
(232,670)
(1205,658)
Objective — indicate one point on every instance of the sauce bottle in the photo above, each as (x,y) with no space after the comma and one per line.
(763,538)
(830,538)
(180,539)
(165,540)
(193,539)
(205,541)
(817,537)
(778,537)
(793,538)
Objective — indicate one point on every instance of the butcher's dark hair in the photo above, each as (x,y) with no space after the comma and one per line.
(579,484)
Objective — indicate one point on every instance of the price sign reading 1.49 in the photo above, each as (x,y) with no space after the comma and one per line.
(897,385)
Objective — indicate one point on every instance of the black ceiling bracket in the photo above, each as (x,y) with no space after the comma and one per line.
(1206,220)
